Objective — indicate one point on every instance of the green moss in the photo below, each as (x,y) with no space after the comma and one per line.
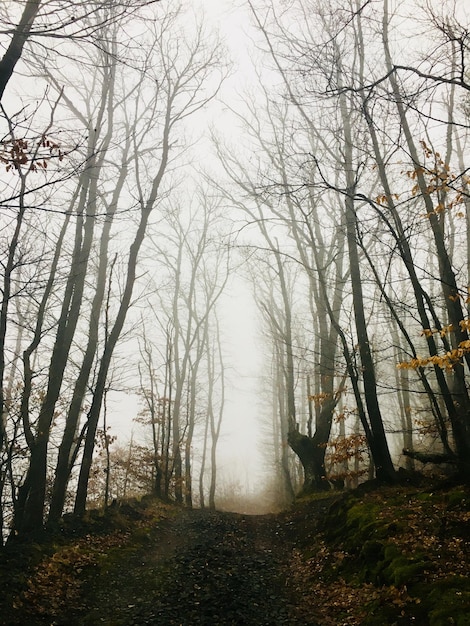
(391,551)
(372,551)
(362,524)
(314,496)
(404,571)
(360,513)
(445,601)
(457,499)
(425,496)
(378,538)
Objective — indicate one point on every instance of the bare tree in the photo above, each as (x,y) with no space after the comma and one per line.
(196,269)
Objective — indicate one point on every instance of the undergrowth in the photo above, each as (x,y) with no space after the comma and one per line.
(393,555)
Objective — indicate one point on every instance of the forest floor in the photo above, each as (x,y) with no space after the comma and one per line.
(376,556)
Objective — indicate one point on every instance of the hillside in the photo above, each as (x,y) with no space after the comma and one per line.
(388,555)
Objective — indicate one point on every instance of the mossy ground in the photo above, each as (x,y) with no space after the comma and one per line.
(393,555)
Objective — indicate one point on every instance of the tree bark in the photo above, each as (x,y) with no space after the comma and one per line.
(18,40)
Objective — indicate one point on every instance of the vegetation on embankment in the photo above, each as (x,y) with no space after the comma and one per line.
(388,555)
(378,555)
(52,578)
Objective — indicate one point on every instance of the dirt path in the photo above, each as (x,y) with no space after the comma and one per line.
(391,555)
(201,568)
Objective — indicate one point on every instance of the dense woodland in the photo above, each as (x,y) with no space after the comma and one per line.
(126,210)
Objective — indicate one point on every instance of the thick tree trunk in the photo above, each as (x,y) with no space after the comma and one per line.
(423,301)
(63,467)
(30,516)
(312,458)
(378,443)
(312,450)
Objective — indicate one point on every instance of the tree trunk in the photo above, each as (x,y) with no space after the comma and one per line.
(312,458)
(18,40)
(5,303)
(63,468)
(111,341)
(377,439)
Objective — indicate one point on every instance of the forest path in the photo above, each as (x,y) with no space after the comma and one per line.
(380,555)
(209,568)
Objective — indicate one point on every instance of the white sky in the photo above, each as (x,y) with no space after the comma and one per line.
(240,445)
(239,450)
